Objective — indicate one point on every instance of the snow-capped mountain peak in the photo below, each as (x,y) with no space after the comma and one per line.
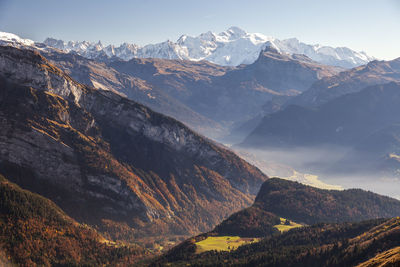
(12,39)
(229,48)
(234,33)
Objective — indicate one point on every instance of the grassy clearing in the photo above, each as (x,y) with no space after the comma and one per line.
(223,243)
(283,227)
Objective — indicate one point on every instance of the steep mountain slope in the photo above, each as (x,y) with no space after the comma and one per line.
(390,257)
(35,231)
(351,81)
(109,161)
(228,48)
(346,244)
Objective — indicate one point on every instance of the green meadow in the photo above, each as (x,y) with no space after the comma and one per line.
(223,243)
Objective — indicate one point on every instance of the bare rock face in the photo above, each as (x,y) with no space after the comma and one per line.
(103,157)
(28,69)
(103,77)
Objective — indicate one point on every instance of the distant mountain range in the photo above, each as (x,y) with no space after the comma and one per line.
(228,48)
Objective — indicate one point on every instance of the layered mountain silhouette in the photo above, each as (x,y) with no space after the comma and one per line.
(364,121)
(235,95)
(322,91)
(350,81)
(344,120)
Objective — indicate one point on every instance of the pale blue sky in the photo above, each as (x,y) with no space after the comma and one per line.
(369,25)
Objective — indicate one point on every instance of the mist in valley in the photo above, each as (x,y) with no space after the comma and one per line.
(317,167)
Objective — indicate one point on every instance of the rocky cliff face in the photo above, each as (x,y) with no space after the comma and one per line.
(103,158)
(140,89)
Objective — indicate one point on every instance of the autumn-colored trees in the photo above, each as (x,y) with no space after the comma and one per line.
(34,231)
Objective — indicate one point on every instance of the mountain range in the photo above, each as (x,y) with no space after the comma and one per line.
(228,48)
(207,97)
(110,162)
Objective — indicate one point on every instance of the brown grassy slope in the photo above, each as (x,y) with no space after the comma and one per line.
(387,258)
